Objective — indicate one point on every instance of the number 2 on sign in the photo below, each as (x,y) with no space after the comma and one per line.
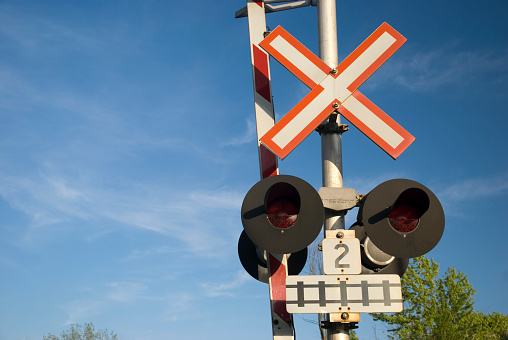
(341,256)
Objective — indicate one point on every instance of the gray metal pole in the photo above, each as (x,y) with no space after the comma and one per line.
(331,148)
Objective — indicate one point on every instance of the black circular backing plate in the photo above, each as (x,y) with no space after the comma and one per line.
(258,268)
(282,241)
(397,266)
(374,216)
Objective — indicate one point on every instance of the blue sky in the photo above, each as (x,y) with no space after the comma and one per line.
(127,144)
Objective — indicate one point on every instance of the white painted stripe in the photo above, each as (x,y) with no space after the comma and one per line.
(298,59)
(257,22)
(360,64)
(264,115)
(265,118)
(303,119)
(373,122)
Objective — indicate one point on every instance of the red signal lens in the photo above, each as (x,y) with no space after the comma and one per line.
(404,218)
(282,213)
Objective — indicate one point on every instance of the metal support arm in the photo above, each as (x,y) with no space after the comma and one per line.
(285,5)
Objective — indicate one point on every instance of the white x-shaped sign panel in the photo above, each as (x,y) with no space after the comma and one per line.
(335,89)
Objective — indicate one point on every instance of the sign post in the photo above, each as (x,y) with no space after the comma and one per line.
(331,141)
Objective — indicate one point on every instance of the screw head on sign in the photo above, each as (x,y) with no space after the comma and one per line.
(340,234)
(334,71)
(344,316)
(335,105)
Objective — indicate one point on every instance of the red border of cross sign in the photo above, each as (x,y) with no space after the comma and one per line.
(333,89)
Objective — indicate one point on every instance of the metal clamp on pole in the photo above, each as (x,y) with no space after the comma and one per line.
(331,126)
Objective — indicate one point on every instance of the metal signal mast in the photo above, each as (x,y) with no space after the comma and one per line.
(282,215)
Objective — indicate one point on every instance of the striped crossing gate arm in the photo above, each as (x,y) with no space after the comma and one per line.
(282,321)
(265,118)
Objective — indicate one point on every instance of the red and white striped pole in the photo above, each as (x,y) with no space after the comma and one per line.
(282,321)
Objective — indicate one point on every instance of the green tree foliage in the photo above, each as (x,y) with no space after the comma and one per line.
(86,332)
(440,308)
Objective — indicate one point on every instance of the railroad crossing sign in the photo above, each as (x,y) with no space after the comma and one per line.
(369,293)
(335,89)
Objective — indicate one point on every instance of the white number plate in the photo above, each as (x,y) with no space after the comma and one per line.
(341,256)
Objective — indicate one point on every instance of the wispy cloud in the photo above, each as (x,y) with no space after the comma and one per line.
(138,254)
(73,156)
(249,135)
(45,201)
(473,189)
(222,199)
(449,65)
(99,300)
(32,31)
(126,291)
(171,304)
(226,289)
(164,208)
(82,310)
(179,303)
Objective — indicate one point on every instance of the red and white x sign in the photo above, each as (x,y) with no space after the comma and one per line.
(335,89)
